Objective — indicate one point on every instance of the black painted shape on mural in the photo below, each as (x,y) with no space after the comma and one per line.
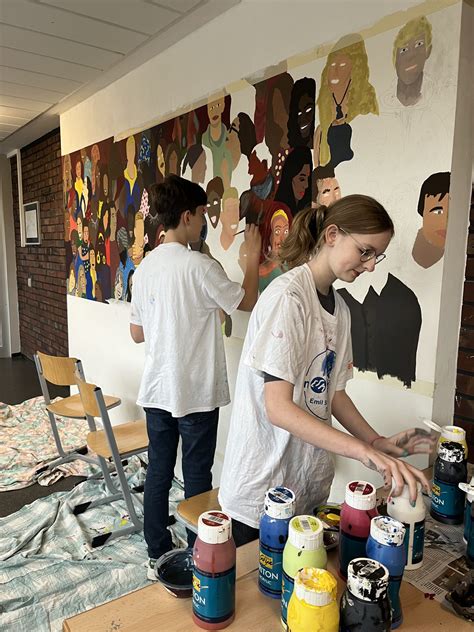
(385,330)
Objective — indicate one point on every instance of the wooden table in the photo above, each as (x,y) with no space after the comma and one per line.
(153,609)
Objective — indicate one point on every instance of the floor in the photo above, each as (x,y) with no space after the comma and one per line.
(18,382)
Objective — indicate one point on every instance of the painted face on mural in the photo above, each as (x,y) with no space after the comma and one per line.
(435,219)
(300,182)
(72,281)
(131,150)
(113,222)
(230,215)
(160,158)
(215,110)
(92,258)
(105,184)
(85,234)
(79,226)
(339,74)
(81,281)
(95,154)
(78,170)
(280,227)
(213,208)
(328,191)
(173,162)
(279,112)
(411,59)
(118,290)
(305,115)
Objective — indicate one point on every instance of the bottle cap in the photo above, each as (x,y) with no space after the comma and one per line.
(367,579)
(214,527)
(360,495)
(280,502)
(315,586)
(451,451)
(386,530)
(306,532)
(453,433)
(469,489)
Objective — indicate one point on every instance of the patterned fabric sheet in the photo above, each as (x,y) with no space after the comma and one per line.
(49,572)
(27,445)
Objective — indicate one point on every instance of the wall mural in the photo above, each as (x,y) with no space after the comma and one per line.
(295,140)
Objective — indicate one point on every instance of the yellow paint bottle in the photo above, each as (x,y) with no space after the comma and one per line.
(313,604)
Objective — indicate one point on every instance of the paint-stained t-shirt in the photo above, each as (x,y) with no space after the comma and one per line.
(176,297)
(292,338)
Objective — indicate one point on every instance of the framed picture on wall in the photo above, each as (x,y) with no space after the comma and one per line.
(31,223)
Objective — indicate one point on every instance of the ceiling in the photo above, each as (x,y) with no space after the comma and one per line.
(55,53)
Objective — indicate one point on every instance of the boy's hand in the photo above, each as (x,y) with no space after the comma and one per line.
(253,242)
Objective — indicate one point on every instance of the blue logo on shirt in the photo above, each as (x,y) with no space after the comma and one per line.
(316,384)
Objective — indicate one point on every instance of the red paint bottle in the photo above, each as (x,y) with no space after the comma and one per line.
(214,572)
(357,511)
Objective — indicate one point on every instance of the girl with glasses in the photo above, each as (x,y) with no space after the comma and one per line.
(295,363)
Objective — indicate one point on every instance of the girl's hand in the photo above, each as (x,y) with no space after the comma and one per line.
(412,441)
(395,473)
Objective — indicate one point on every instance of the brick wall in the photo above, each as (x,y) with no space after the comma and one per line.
(464,402)
(42,307)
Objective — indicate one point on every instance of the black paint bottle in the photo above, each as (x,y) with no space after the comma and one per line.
(365,606)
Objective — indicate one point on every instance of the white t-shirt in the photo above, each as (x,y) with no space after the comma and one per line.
(290,336)
(177,294)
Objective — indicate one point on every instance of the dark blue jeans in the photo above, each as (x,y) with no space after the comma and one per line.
(198,432)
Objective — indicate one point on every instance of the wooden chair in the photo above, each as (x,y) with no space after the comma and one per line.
(116,443)
(61,371)
(189,510)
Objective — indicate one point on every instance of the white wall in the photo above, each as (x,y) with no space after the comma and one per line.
(235,45)
(9,319)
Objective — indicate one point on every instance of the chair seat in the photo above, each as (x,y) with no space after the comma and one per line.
(72,406)
(190,509)
(130,437)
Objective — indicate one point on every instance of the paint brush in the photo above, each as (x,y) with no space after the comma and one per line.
(257,222)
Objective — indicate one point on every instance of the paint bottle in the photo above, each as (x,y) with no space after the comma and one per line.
(279,508)
(450,469)
(365,606)
(470,542)
(413,519)
(303,549)
(214,572)
(313,604)
(358,509)
(385,545)
(469,491)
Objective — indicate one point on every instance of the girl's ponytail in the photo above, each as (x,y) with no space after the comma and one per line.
(303,237)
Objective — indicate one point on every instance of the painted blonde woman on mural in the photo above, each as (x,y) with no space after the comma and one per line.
(344,94)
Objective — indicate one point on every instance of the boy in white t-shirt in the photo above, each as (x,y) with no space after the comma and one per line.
(177,297)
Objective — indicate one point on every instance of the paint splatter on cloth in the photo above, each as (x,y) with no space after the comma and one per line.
(27,445)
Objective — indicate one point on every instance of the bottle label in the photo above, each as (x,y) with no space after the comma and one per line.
(418,541)
(270,569)
(350,547)
(287,585)
(447,499)
(213,595)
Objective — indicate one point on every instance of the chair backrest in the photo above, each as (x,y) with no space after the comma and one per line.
(56,369)
(88,394)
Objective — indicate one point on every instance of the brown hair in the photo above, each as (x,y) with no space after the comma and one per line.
(352,213)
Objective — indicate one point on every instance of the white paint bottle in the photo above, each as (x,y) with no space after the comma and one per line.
(413,518)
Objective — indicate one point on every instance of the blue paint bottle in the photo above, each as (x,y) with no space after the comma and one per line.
(450,469)
(469,490)
(386,545)
(470,541)
(278,510)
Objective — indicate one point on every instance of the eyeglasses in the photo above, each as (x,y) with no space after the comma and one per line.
(366,254)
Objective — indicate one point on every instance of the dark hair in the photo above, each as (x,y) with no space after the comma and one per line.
(215,185)
(246,133)
(294,162)
(436,184)
(284,84)
(192,156)
(304,86)
(173,197)
(128,297)
(352,213)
